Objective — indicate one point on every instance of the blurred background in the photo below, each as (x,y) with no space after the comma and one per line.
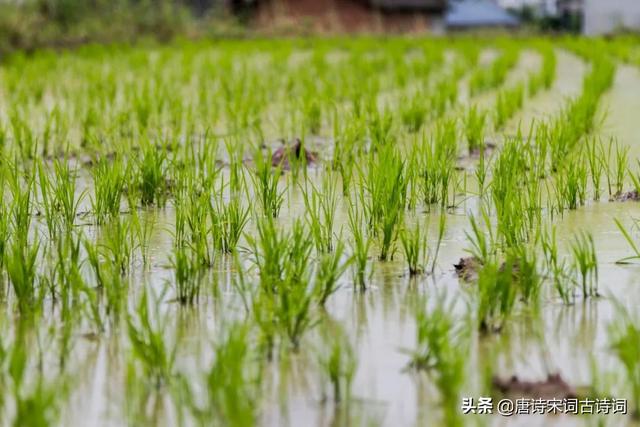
(32,24)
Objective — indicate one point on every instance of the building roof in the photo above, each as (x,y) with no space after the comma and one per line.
(478,13)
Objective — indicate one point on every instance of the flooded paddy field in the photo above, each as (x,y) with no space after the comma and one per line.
(364,232)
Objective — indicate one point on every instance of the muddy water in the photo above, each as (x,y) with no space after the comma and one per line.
(562,339)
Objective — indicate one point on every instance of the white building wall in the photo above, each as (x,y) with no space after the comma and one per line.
(606,16)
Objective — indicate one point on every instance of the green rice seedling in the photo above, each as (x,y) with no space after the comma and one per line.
(108,281)
(442,226)
(330,268)
(64,193)
(192,225)
(37,398)
(585,263)
(282,262)
(142,229)
(380,124)
(294,298)
(547,74)
(474,124)
(120,244)
(338,365)
(618,167)
(510,191)
(548,71)
(529,280)
(109,184)
(187,275)
(596,166)
(508,102)
(386,188)
(496,295)
(312,111)
(437,164)
(482,241)
(265,182)
(624,342)
(149,344)
(22,270)
(572,183)
(557,268)
(414,246)
(360,244)
(630,240)
(232,383)
(442,350)
(151,170)
(321,208)
(229,220)
(414,112)
(484,79)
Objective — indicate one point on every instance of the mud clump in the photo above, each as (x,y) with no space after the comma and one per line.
(554,387)
(292,151)
(627,196)
(467,268)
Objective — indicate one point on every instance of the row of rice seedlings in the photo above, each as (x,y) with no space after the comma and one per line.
(485,79)
(508,102)
(544,78)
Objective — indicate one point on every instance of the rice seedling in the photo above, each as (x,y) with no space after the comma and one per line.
(572,183)
(281,259)
(414,112)
(496,295)
(187,275)
(151,170)
(508,102)
(22,269)
(596,166)
(630,240)
(330,268)
(414,246)
(360,245)
(441,350)
(474,124)
(232,383)
(120,244)
(321,208)
(109,185)
(338,365)
(228,223)
(150,348)
(585,263)
(265,182)
(437,164)
(493,76)
(386,187)
(557,268)
(624,343)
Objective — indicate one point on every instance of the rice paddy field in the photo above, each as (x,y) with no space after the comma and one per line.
(321,232)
